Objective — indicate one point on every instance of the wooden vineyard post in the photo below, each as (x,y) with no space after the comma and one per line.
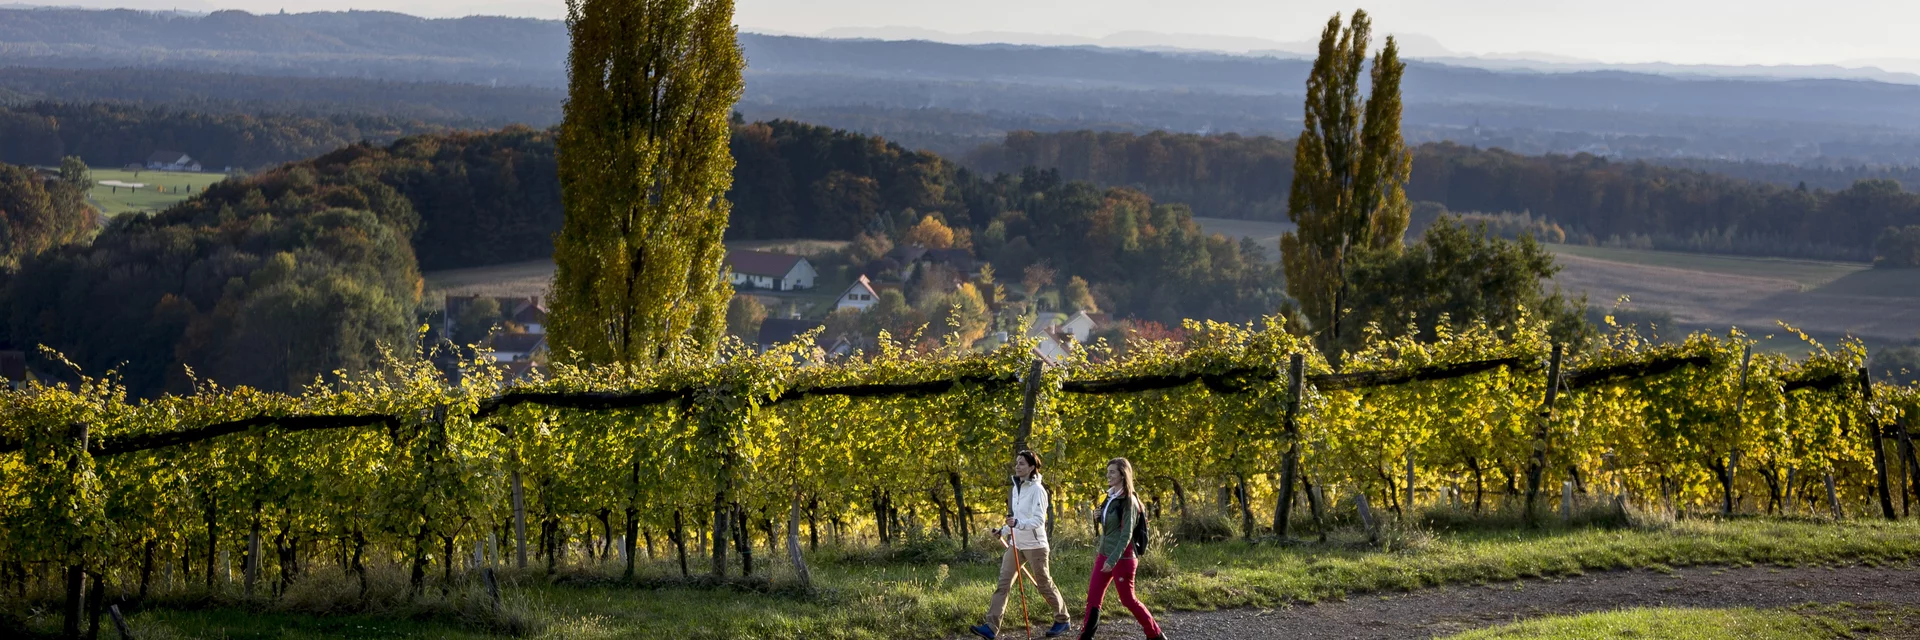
(1406,506)
(1733,455)
(76,572)
(519,508)
(1790,507)
(1366,516)
(1029,404)
(120,622)
(1907,457)
(252,567)
(1566,502)
(493,587)
(960,510)
(793,543)
(1317,496)
(630,541)
(1876,438)
(1833,498)
(1538,465)
(1290,467)
(1028,407)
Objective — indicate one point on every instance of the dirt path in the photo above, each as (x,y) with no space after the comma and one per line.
(1434,612)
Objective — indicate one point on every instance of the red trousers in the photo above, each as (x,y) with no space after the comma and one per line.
(1122,578)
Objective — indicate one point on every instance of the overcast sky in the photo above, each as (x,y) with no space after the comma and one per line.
(1684,31)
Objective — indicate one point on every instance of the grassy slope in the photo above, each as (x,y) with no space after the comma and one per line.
(865,600)
(1808,273)
(122,200)
(1266,233)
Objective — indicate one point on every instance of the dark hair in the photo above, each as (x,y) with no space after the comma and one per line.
(1031,458)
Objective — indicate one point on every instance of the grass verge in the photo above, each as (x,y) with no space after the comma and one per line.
(863,596)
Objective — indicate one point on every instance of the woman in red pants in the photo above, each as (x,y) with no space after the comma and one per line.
(1117,557)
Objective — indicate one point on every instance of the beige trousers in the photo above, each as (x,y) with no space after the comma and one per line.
(1036,561)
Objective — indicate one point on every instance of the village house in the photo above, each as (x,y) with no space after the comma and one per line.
(777,331)
(528,313)
(172,161)
(773,271)
(13,369)
(859,296)
(518,347)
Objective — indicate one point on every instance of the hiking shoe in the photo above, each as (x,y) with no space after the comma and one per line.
(1059,629)
(982,630)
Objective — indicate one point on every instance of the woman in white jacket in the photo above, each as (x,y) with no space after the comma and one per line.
(1027,524)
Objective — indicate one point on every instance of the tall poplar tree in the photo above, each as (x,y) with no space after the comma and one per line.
(1350,174)
(644,172)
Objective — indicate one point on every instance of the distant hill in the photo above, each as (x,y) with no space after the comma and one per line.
(914,90)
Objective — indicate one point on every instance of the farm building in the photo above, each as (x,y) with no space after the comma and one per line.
(172,161)
(775,271)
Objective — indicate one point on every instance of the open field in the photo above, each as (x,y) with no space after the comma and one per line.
(518,279)
(1266,233)
(1809,274)
(118,200)
(531,278)
(1827,299)
(1756,303)
(918,591)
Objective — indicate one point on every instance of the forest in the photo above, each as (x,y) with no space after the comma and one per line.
(226,92)
(113,135)
(268,282)
(1596,200)
(314,262)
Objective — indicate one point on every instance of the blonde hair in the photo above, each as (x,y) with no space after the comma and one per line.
(1126,479)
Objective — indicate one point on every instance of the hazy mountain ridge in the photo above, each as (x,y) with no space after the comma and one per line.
(1605,112)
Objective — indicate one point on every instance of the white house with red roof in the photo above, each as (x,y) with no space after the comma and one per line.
(773,271)
(859,296)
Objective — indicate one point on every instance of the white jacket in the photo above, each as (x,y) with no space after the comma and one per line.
(1029,507)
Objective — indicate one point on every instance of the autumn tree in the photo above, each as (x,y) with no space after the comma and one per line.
(1350,176)
(1037,277)
(645,167)
(1079,296)
(74,171)
(963,313)
(868,247)
(744,316)
(476,321)
(931,233)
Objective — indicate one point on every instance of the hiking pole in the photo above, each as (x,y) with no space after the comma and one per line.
(1020,571)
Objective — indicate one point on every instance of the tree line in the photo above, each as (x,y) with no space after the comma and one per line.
(226,92)
(1595,200)
(113,135)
